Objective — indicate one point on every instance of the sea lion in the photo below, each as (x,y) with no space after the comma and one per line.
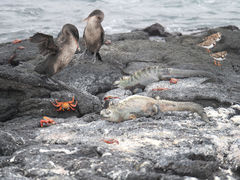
(60,52)
(93,34)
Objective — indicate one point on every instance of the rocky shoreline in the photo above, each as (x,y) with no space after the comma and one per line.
(177,145)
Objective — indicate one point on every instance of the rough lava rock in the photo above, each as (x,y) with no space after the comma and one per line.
(24,92)
(175,145)
(155,30)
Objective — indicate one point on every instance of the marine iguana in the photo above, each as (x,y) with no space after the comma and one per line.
(137,106)
(148,75)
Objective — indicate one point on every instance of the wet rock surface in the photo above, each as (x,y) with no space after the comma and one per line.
(175,145)
(156,30)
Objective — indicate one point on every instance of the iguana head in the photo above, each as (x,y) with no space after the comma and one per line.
(110,115)
(122,82)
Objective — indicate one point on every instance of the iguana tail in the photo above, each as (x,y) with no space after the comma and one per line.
(182,106)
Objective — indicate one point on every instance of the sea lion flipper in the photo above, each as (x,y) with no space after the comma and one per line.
(46,43)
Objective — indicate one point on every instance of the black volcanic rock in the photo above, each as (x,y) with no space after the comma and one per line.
(156,30)
(27,93)
(175,145)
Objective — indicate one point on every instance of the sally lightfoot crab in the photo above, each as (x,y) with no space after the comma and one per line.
(68,105)
(46,120)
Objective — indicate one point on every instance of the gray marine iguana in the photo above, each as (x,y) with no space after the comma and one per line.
(143,77)
(138,106)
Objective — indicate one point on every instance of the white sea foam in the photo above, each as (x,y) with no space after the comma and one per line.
(22,18)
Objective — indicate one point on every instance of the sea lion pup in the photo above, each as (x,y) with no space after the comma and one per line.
(93,34)
(137,106)
(60,52)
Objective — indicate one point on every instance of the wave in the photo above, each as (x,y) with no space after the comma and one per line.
(23,17)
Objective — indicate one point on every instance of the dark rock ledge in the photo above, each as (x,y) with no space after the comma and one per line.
(178,146)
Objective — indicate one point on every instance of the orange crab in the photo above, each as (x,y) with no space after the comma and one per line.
(47,121)
(111,141)
(16,41)
(160,89)
(110,97)
(173,81)
(65,105)
(21,47)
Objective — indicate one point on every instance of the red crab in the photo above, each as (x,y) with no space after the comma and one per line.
(21,47)
(110,141)
(160,89)
(47,121)
(173,81)
(108,42)
(65,105)
(110,97)
(16,41)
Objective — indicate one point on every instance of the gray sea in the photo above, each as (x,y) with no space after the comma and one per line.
(20,19)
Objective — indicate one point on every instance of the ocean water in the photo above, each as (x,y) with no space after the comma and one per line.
(20,19)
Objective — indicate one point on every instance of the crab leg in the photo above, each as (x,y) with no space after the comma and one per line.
(72,108)
(52,122)
(46,118)
(60,108)
(56,105)
(71,100)
(44,122)
(74,105)
(41,122)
